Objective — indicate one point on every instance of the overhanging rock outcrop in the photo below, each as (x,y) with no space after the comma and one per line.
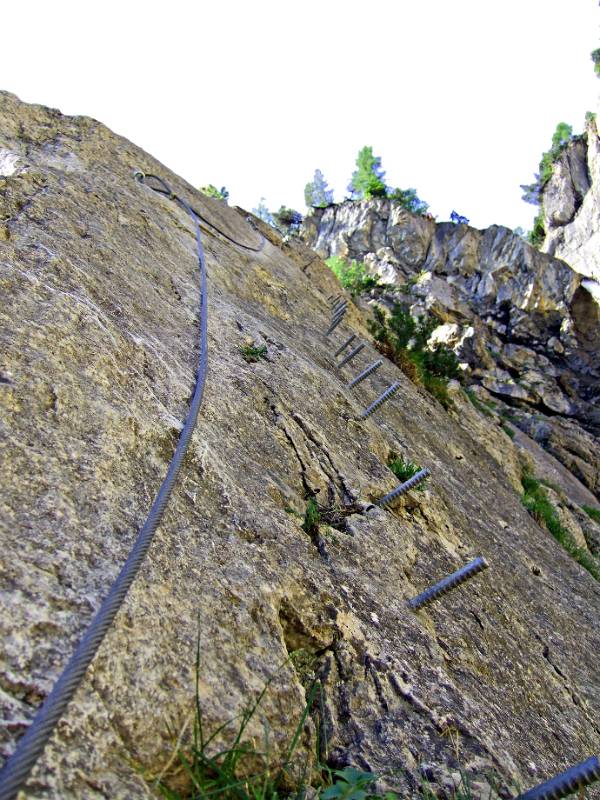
(99,344)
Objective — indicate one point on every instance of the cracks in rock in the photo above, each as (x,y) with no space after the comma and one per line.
(370,671)
(308,491)
(334,512)
(546,654)
(478,620)
(564,681)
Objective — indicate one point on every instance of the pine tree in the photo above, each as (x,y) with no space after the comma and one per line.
(409,199)
(560,138)
(367,181)
(262,212)
(316,193)
(287,221)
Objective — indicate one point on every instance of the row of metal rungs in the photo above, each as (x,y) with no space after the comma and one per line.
(576,777)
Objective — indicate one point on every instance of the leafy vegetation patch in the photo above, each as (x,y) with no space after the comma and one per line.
(404,470)
(593,513)
(404,340)
(353,275)
(536,501)
(312,517)
(218,194)
(251,354)
(507,430)
(485,408)
(533,191)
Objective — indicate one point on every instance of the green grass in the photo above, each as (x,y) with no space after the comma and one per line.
(593,513)
(252,354)
(508,431)
(404,470)
(535,499)
(243,770)
(479,404)
(312,517)
(247,770)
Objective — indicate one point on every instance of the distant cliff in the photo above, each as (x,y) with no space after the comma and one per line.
(524,324)
(571,204)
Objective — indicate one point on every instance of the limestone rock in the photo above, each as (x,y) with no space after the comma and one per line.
(571,203)
(523,324)
(99,324)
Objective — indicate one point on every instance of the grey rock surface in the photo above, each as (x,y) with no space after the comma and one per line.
(525,325)
(571,205)
(98,330)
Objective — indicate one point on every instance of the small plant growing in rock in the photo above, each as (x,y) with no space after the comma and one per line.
(312,517)
(350,784)
(252,354)
(485,408)
(404,470)
(537,234)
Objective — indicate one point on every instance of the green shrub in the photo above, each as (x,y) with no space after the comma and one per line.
(212,191)
(404,339)
(485,408)
(409,200)
(404,470)
(595,56)
(507,430)
(535,499)
(352,275)
(287,221)
(252,354)
(560,138)
(537,234)
(592,512)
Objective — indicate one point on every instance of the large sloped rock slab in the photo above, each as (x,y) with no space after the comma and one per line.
(99,325)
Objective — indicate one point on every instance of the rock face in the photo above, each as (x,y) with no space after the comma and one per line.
(99,327)
(571,203)
(524,324)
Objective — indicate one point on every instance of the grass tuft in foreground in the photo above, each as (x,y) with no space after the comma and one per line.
(243,770)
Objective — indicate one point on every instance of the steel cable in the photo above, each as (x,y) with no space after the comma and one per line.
(166,190)
(31,745)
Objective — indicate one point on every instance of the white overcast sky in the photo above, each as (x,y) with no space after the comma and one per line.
(458,97)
